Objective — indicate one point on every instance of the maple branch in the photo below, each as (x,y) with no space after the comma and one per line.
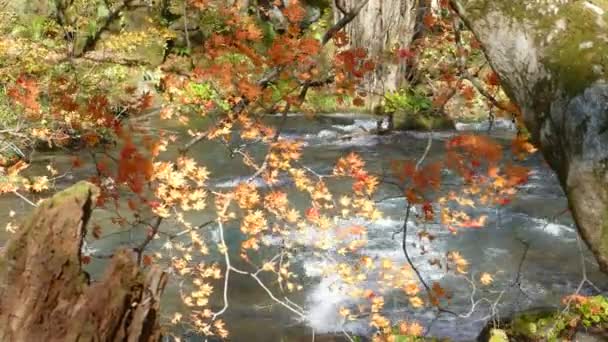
(266,80)
(404,231)
(457,9)
(224,248)
(91,40)
(347,18)
(149,237)
(340,7)
(517,280)
(24,198)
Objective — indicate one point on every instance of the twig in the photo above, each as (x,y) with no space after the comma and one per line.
(340,7)
(141,248)
(347,18)
(25,198)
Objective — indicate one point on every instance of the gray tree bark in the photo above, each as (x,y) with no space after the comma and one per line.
(551,58)
(380,27)
(46,296)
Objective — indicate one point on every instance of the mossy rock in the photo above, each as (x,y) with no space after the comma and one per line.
(421,121)
(498,335)
(535,325)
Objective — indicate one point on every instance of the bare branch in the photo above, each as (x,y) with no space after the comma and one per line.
(149,237)
(340,7)
(347,18)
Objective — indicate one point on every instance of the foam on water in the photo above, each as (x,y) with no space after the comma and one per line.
(325,301)
(555,229)
(359,126)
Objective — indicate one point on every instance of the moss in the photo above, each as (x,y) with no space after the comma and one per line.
(536,325)
(80,190)
(572,68)
(570,65)
(498,335)
(604,235)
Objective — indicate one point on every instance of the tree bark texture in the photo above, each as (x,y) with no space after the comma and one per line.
(46,296)
(381,28)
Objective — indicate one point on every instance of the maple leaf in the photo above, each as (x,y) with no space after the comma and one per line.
(358,102)
(438,291)
(294,12)
(415,329)
(475,223)
(25,92)
(468,92)
(521,147)
(427,209)
(340,39)
(405,53)
(309,46)
(492,79)
(429,20)
(486,279)
(416,302)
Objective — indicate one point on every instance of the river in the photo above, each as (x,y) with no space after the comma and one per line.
(551,267)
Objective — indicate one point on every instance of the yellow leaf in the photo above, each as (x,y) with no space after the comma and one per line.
(486,279)
(416,302)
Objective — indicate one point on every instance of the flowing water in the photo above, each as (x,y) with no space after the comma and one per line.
(551,267)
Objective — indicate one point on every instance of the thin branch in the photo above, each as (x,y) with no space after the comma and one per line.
(340,7)
(149,237)
(228,266)
(25,199)
(347,18)
(462,65)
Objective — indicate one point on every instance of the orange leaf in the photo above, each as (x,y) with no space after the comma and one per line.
(475,223)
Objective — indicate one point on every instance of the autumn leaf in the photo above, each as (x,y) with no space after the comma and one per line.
(147,260)
(416,302)
(96,231)
(294,12)
(479,222)
(486,279)
(25,92)
(429,20)
(415,329)
(405,53)
(438,291)
(521,147)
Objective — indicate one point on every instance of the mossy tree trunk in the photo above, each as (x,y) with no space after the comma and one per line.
(381,27)
(46,296)
(551,56)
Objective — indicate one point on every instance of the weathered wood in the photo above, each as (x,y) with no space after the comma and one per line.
(46,296)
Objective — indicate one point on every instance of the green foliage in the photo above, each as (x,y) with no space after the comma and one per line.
(588,311)
(594,311)
(322,102)
(498,335)
(211,21)
(205,92)
(406,100)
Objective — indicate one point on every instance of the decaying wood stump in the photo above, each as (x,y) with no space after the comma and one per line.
(46,296)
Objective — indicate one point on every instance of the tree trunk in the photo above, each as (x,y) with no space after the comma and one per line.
(46,296)
(551,58)
(381,27)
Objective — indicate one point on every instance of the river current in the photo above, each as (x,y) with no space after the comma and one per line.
(534,224)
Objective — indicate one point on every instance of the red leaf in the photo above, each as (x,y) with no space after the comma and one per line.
(405,53)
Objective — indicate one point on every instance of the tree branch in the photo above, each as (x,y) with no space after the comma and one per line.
(347,18)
